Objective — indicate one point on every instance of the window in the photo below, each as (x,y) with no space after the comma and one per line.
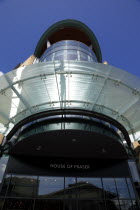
(22,186)
(83,56)
(110,188)
(66,193)
(122,188)
(59,55)
(72,55)
(91,205)
(130,187)
(5,185)
(51,187)
(70,188)
(16,204)
(90,188)
(49,205)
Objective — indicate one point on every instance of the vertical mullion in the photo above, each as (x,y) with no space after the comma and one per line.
(4,175)
(129,191)
(104,197)
(117,193)
(77,195)
(6,191)
(64,195)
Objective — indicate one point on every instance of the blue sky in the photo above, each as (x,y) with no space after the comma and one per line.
(116,24)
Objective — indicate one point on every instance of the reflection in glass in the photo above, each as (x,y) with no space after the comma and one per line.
(90,188)
(91,205)
(71,193)
(70,187)
(110,188)
(72,55)
(59,55)
(112,204)
(48,205)
(5,185)
(134,171)
(126,205)
(22,186)
(49,58)
(68,50)
(130,187)
(122,188)
(21,191)
(3,163)
(23,180)
(51,187)
(71,205)
(135,205)
(62,84)
(16,204)
(1,203)
(83,56)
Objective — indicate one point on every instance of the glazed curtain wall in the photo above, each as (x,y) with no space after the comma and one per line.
(77,193)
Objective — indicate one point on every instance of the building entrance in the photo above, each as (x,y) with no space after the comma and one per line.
(67,193)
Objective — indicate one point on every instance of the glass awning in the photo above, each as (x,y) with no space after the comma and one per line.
(69,85)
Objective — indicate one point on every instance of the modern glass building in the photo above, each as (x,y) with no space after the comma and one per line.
(66,121)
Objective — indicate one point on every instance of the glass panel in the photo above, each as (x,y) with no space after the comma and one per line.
(51,187)
(70,187)
(89,188)
(24,180)
(83,56)
(21,191)
(126,205)
(134,171)
(32,88)
(90,59)
(110,188)
(72,55)
(71,48)
(71,205)
(22,186)
(122,188)
(135,205)
(59,55)
(91,205)
(49,205)
(5,185)
(112,204)
(16,204)
(130,187)
(1,203)
(3,163)
(49,57)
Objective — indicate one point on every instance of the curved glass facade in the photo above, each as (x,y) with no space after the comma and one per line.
(71,123)
(68,50)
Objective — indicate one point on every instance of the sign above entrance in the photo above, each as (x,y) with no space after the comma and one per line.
(70,166)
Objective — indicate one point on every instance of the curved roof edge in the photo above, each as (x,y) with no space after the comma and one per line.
(70,111)
(69,23)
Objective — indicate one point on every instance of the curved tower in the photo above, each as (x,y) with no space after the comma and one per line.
(66,120)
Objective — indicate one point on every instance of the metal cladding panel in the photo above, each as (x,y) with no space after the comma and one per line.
(71,143)
(41,166)
(70,85)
